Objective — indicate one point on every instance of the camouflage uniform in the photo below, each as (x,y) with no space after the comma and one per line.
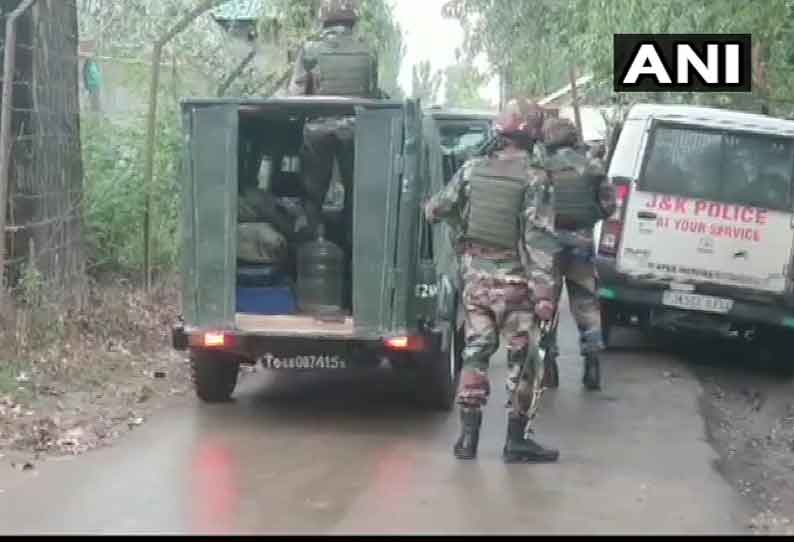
(496,294)
(573,249)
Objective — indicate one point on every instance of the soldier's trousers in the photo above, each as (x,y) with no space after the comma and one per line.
(323,140)
(575,269)
(495,308)
(326,139)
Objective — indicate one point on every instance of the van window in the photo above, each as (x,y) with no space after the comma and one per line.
(745,168)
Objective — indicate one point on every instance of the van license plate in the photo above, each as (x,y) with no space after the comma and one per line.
(695,302)
(321,362)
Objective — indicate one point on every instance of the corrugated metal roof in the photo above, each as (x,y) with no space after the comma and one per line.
(241,10)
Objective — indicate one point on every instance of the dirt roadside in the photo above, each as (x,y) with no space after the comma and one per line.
(79,381)
(749,417)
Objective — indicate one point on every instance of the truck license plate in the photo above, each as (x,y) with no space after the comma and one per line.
(317,362)
(696,302)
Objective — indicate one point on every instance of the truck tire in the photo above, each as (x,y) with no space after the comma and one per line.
(438,375)
(214,375)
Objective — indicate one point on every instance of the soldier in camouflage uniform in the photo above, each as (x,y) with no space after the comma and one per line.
(573,242)
(337,62)
(487,203)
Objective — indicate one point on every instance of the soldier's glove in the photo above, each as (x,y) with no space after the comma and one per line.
(544,309)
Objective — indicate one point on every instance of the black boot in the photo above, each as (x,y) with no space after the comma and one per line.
(519,449)
(466,446)
(592,372)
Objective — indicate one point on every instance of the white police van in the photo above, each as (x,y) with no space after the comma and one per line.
(702,238)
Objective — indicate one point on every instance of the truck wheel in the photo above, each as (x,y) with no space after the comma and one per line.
(438,374)
(214,375)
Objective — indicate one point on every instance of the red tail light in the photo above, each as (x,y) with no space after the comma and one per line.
(613,226)
(212,339)
(405,343)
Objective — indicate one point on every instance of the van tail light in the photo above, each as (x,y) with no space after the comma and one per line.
(412,343)
(212,339)
(613,226)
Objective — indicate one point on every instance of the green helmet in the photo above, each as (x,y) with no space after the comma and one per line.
(339,11)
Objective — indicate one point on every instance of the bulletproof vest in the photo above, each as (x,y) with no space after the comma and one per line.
(575,192)
(497,194)
(345,65)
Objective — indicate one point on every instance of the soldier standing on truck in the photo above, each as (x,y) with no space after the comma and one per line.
(578,196)
(486,203)
(337,62)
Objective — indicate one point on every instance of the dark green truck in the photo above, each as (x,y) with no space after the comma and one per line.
(404,311)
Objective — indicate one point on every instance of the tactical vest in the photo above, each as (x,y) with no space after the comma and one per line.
(575,195)
(346,67)
(497,194)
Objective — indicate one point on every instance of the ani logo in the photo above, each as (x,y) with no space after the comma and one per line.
(682,62)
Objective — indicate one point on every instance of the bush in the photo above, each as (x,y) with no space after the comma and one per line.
(113,213)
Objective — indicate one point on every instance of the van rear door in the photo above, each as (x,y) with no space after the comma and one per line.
(209,211)
(711,206)
(380,132)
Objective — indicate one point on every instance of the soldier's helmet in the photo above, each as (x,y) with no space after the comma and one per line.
(339,12)
(520,119)
(557,132)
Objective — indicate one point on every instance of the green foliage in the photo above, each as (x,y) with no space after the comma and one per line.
(425,83)
(31,286)
(463,82)
(114,196)
(539,39)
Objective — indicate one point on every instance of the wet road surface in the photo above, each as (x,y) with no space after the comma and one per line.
(333,454)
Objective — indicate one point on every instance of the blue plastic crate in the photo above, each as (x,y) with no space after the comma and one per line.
(268,301)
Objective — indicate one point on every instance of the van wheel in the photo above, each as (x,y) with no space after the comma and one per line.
(438,375)
(214,375)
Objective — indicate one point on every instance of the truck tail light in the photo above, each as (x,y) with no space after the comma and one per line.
(212,339)
(613,226)
(414,343)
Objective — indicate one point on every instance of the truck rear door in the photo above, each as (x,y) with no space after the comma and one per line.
(209,196)
(376,193)
(711,206)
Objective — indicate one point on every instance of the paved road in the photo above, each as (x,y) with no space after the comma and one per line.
(327,455)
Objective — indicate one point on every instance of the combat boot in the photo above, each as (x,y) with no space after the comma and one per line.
(466,446)
(519,449)
(592,372)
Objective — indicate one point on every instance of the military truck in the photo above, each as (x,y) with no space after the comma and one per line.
(404,311)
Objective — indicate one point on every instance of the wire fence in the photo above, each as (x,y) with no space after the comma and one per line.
(42,226)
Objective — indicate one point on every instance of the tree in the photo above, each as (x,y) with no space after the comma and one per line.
(463,83)
(548,35)
(425,82)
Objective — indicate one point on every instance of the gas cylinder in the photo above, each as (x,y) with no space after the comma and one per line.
(320,276)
